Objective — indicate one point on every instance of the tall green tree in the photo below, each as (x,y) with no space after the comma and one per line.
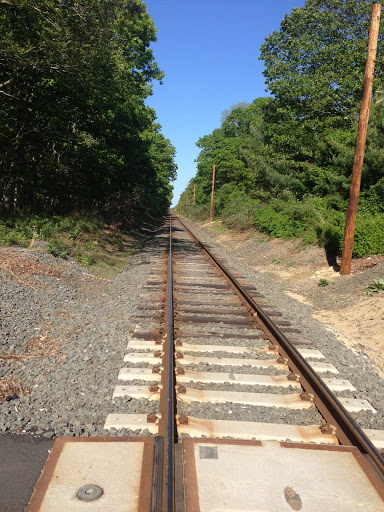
(314,68)
(74,76)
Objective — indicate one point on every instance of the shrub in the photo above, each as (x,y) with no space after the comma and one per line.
(198,212)
(369,236)
(239,212)
(58,249)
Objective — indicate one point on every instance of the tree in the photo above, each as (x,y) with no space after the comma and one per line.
(314,68)
(74,77)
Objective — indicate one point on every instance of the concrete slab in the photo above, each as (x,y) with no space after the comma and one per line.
(310,353)
(143,357)
(339,384)
(375,436)
(145,344)
(196,427)
(120,467)
(320,367)
(136,392)
(256,363)
(357,404)
(138,374)
(237,378)
(231,349)
(291,401)
(234,476)
(131,421)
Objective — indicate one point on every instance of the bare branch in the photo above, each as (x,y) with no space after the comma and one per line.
(10,95)
(40,12)
(6,83)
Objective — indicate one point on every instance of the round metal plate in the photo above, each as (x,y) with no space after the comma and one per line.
(89,492)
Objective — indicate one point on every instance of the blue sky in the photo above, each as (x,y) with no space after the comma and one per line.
(209,52)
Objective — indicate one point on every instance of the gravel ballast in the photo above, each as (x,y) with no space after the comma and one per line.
(64,337)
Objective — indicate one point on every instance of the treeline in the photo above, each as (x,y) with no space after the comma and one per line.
(283,163)
(75,133)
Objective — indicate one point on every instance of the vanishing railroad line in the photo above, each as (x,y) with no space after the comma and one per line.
(243,410)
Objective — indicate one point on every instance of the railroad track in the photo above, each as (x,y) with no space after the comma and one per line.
(242,409)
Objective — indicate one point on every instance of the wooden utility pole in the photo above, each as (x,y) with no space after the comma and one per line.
(194,194)
(358,160)
(186,202)
(213,188)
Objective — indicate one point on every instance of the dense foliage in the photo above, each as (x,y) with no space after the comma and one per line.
(75,133)
(283,163)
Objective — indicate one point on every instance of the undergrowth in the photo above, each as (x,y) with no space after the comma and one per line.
(79,236)
(315,220)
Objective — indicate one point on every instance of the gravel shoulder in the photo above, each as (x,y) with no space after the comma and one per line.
(64,333)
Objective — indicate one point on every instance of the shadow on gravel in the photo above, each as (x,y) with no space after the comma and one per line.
(331,255)
(110,259)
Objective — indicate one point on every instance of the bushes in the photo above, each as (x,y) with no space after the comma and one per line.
(198,212)
(238,214)
(369,236)
(287,217)
(315,220)
(66,236)
(20,229)
(312,219)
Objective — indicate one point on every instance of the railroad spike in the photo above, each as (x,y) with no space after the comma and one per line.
(326,428)
(308,397)
(152,417)
(182,419)
(294,377)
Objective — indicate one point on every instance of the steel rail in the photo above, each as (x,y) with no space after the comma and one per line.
(163,495)
(347,431)
(170,389)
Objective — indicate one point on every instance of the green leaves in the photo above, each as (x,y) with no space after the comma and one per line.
(376,287)
(74,78)
(314,67)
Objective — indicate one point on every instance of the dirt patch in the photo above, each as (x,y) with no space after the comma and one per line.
(17,264)
(21,269)
(11,387)
(360,327)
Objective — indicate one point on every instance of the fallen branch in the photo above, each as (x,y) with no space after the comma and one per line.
(22,282)
(95,277)
(16,356)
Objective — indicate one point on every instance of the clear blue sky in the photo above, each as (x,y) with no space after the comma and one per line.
(209,52)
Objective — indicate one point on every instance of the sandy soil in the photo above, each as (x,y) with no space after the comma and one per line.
(342,306)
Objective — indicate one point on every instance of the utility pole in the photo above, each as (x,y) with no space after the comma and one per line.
(194,194)
(186,202)
(213,188)
(358,160)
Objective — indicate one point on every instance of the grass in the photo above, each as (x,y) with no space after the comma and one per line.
(102,249)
